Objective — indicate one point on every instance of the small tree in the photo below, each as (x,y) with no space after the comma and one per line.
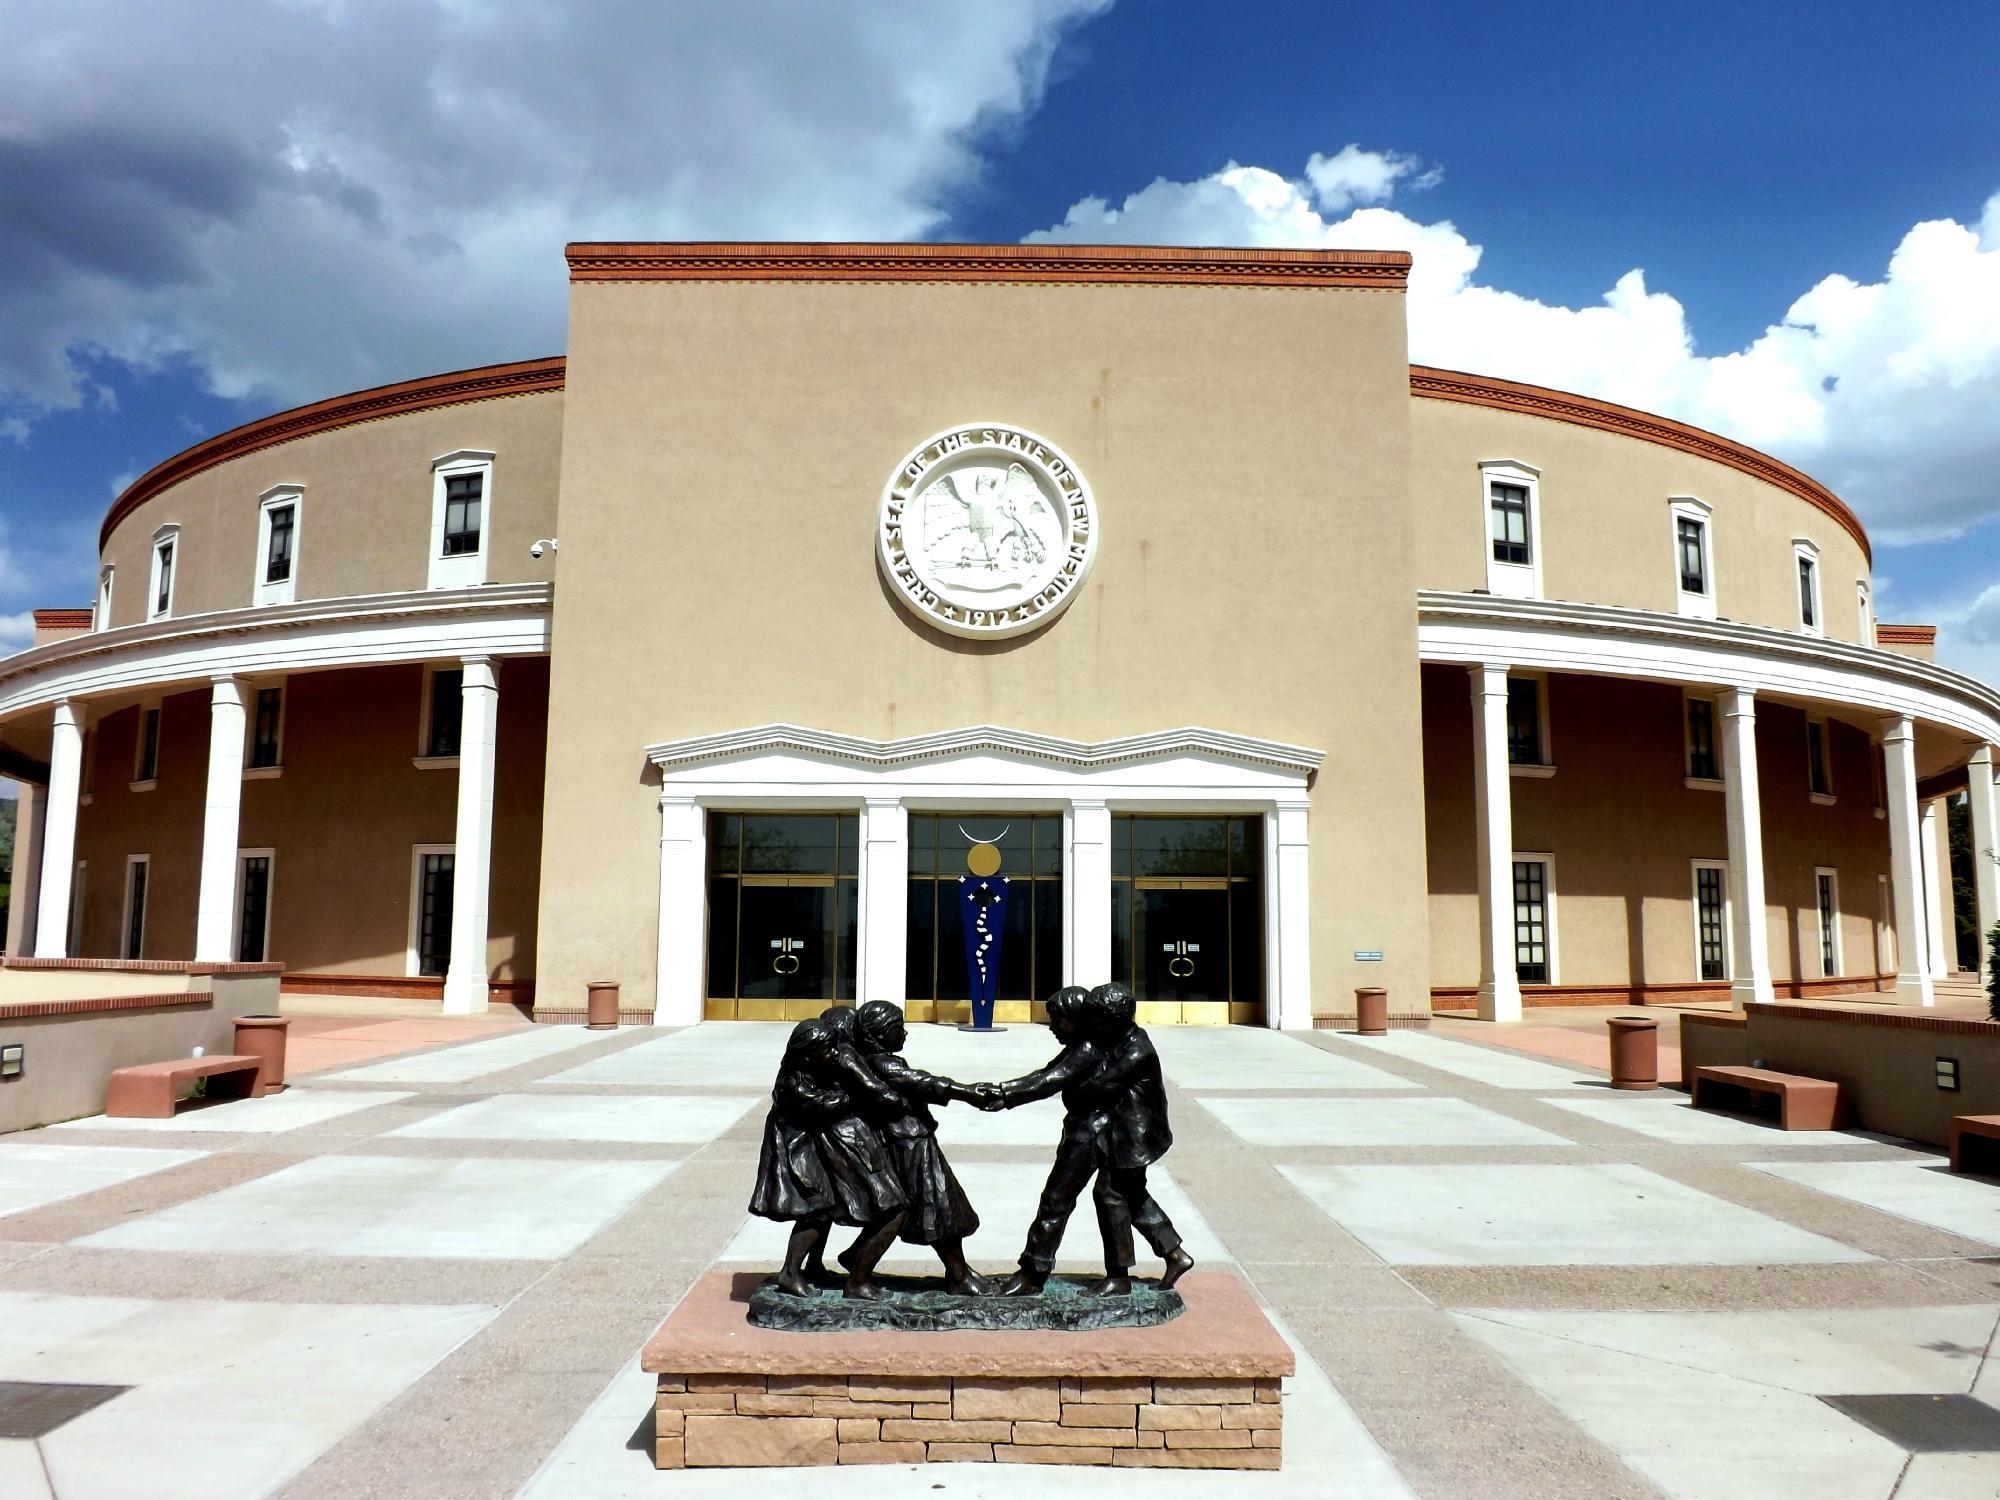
(1993,972)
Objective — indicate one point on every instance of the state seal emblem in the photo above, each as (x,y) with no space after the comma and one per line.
(986,530)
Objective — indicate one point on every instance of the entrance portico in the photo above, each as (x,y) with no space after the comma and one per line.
(1082,788)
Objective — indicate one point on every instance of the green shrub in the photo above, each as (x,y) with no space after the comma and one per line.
(1993,972)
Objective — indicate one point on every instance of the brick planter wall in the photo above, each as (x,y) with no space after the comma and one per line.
(757,1421)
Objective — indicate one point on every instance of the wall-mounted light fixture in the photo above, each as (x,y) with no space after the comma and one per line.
(1947,1073)
(12,1059)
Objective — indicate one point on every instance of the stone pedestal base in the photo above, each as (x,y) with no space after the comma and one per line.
(1201,1392)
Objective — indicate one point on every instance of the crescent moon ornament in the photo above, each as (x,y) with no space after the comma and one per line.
(994,840)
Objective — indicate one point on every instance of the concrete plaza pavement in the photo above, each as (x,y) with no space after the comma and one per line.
(427,1267)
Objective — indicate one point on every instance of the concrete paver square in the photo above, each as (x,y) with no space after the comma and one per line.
(21,1474)
(1671,1118)
(294,1109)
(471,1060)
(1373,1122)
(1505,1070)
(401,1206)
(1920,1189)
(964,1127)
(34,1173)
(1597,1215)
(1239,1057)
(229,1398)
(637,1118)
(1005,1193)
(741,1055)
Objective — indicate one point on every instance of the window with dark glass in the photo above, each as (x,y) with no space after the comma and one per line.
(254,910)
(1829,916)
(783,909)
(1701,740)
(1524,722)
(278,553)
(264,726)
(165,593)
(1808,595)
(1531,921)
(1709,926)
(1187,908)
(1509,505)
(434,891)
(1818,777)
(463,494)
(1693,543)
(447,709)
(147,766)
(135,908)
(1030,846)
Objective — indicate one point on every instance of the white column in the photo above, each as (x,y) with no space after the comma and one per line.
(1937,889)
(1750,935)
(59,833)
(884,895)
(1087,872)
(221,814)
(1906,881)
(1290,1003)
(1979,799)
(1493,800)
(465,980)
(678,976)
(27,892)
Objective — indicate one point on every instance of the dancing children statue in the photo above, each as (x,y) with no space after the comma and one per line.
(1114,1127)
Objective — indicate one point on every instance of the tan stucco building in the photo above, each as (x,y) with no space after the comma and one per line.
(1143,609)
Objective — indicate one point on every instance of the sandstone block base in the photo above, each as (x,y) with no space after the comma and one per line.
(1203,1392)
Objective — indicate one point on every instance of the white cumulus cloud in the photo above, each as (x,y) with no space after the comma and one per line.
(1889,391)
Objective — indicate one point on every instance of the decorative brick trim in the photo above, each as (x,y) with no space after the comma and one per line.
(1729,1019)
(395,987)
(1606,416)
(523,378)
(1387,270)
(30,1010)
(266,968)
(579,1017)
(110,965)
(64,619)
(1691,992)
(1898,1020)
(1350,1022)
(1897,635)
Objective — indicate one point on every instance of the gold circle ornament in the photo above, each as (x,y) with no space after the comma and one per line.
(983,860)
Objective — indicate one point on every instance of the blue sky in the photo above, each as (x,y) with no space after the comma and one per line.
(210,213)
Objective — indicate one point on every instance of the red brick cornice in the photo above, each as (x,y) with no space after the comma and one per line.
(1906,635)
(484,384)
(63,619)
(1388,270)
(1606,416)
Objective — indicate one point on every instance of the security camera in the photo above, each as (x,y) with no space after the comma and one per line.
(546,544)
(536,550)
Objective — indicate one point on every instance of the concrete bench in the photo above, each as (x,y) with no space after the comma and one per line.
(1803,1103)
(1975,1140)
(149,1090)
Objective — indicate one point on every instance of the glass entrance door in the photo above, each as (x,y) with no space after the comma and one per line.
(1183,939)
(786,945)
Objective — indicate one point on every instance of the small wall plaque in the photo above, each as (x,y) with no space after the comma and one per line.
(1368,955)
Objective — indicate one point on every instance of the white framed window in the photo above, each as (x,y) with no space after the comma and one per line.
(1535,918)
(166,565)
(1826,903)
(146,747)
(1865,610)
(100,618)
(1711,918)
(1805,565)
(1529,752)
(1819,759)
(439,716)
(77,907)
(132,929)
(280,510)
(1511,502)
(1694,557)
(461,518)
(251,940)
(1702,750)
(264,732)
(431,875)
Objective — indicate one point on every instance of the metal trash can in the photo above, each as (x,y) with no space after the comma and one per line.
(1371,1012)
(263,1037)
(601,1007)
(1635,1052)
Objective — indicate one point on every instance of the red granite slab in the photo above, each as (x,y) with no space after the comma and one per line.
(1223,1334)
